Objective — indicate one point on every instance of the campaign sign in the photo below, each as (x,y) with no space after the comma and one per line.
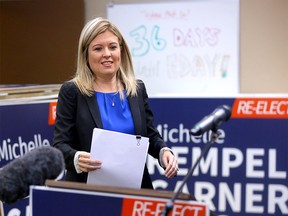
(245,170)
(24,127)
(243,173)
(56,201)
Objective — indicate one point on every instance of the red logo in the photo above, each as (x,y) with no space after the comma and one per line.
(149,207)
(52,113)
(260,108)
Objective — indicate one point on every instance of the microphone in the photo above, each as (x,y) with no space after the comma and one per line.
(212,121)
(33,168)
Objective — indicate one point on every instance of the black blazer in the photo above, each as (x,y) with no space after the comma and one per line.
(77,115)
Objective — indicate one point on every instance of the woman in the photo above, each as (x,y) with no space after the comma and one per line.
(104,94)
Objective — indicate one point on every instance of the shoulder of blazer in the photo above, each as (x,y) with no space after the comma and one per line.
(140,87)
(140,83)
(69,90)
(69,86)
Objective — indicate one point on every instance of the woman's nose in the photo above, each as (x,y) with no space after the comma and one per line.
(106,53)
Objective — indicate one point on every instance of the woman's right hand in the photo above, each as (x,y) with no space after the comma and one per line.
(86,164)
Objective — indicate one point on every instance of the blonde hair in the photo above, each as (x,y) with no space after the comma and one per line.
(84,77)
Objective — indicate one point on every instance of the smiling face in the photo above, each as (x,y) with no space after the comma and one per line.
(104,55)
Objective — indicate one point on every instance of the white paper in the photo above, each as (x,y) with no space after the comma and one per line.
(123,158)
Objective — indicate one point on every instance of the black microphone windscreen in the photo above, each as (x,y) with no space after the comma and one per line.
(212,121)
(33,168)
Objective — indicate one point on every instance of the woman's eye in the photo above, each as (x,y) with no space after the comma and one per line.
(113,47)
(98,48)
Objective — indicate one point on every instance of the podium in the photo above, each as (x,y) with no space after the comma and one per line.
(77,199)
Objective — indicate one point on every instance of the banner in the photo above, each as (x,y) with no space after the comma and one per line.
(244,172)
(98,203)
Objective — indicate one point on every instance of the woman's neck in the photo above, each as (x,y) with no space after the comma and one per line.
(106,86)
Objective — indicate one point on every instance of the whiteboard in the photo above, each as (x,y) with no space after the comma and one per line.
(182,48)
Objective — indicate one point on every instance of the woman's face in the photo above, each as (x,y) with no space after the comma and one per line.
(104,54)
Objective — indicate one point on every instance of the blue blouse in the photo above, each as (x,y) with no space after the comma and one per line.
(115,113)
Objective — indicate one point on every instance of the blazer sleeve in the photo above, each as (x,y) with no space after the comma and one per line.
(64,130)
(156,143)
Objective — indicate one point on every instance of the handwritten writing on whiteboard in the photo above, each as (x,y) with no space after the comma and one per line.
(179,65)
(197,66)
(144,41)
(196,37)
(183,48)
(192,38)
(166,14)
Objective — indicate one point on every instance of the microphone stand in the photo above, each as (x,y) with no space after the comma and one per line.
(169,205)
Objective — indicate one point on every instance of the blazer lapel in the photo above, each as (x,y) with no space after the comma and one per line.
(94,109)
(134,106)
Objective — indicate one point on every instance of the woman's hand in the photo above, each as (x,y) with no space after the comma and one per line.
(170,163)
(86,164)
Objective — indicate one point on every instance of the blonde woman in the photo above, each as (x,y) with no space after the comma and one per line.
(104,94)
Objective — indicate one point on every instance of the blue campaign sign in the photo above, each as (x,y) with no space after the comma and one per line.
(244,172)
(23,127)
(77,200)
(67,202)
(20,208)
